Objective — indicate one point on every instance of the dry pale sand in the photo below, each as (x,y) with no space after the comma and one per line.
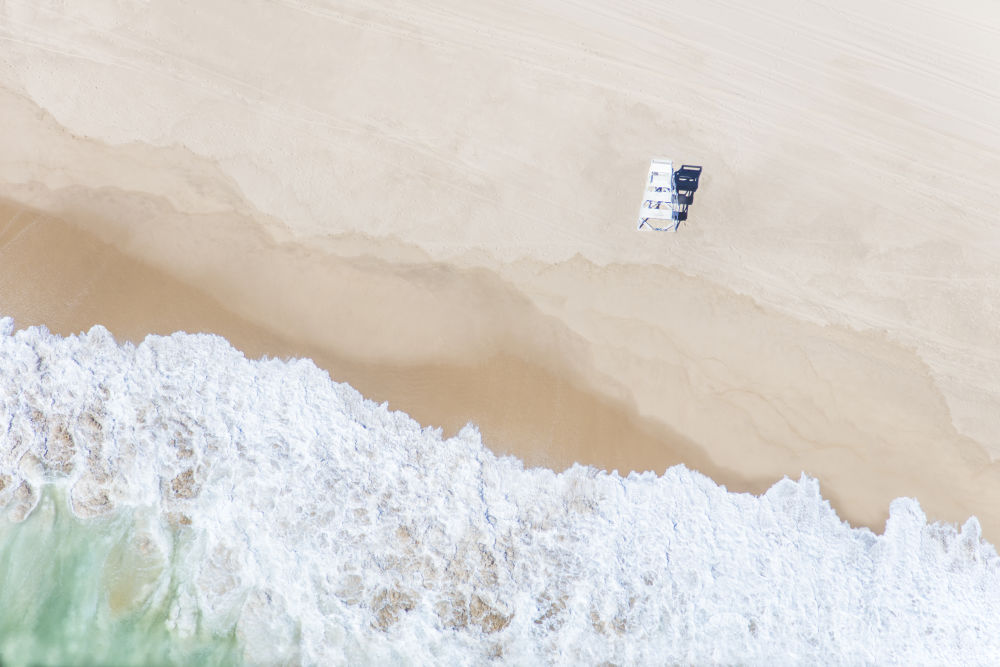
(437,202)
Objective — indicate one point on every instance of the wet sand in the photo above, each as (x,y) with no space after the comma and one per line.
(530,400)
(56,275)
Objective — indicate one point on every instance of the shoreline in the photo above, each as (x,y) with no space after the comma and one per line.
(69,281)
(540,409)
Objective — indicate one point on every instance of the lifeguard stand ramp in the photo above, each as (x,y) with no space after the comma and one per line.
(668,194)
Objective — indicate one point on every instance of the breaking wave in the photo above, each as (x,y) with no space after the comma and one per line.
(258,512)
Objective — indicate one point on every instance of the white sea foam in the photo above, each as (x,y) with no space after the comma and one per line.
(326,528)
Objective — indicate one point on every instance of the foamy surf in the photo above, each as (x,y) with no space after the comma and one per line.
(257,512)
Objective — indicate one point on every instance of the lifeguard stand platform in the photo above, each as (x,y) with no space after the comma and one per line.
(668,194)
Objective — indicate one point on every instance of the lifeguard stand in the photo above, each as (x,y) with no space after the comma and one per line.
(668,194)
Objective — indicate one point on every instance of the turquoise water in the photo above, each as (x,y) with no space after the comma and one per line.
(95,592)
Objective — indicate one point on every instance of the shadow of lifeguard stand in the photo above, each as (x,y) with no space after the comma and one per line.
(668,194)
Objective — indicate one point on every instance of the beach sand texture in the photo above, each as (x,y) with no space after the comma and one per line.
(437,202)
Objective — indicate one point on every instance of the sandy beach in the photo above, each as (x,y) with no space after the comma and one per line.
(437,204)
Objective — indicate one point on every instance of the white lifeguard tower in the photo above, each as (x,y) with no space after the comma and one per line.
(667,195)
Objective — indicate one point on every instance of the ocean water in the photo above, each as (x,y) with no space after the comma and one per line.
(176,503)
(96,591)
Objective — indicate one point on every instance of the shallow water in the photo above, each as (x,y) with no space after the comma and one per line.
(255,511)
(96,591)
